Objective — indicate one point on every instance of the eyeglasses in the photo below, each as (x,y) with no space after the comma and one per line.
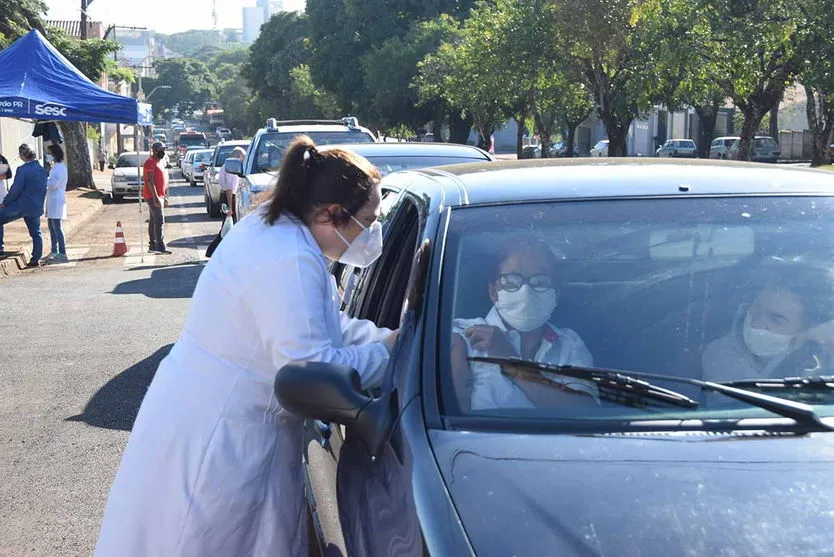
(512,282)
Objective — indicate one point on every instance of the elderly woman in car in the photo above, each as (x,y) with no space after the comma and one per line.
(524,289)
(787,331)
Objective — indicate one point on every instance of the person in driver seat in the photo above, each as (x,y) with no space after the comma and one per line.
(786,332)
(524,290)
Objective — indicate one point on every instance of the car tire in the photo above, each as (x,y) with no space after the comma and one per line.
(118,198)
(212,208)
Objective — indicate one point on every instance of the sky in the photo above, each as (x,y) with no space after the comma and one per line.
(164,16)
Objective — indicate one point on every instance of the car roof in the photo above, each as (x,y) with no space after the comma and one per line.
(417,149)
(504,182)
(135,153)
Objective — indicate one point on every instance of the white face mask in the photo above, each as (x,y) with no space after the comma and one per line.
(525,309)
(764,343)
(50,159)
(365,248)
(3,169)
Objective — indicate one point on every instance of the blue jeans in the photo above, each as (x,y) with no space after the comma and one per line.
(56,236)
(32,223)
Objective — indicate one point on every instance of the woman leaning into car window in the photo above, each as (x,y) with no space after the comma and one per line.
(524,290)
(213,464)
(787,331)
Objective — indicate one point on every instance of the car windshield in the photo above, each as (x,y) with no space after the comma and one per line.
(192,140)
(271,146)
(717,289)
(224,152)
(131,161)
(386,165)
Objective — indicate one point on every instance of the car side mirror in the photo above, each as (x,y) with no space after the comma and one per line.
(333,393)
(234,166)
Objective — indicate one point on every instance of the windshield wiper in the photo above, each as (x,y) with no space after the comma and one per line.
(817,382)
(802,414)
(604,378)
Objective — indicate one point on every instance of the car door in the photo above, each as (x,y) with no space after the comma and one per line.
(378,295)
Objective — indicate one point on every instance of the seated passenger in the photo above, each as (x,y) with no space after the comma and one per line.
(785,332)
(524,290)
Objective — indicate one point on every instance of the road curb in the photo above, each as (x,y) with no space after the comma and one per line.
(17,263)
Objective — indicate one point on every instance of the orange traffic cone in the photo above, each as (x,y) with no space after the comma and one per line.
(119,245)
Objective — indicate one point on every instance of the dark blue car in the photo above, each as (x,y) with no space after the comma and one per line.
(616,357)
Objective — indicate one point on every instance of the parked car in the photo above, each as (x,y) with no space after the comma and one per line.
(648,274)
(211,176)
(720,147)
(266,152)
(127,174)
(187,165)
(831,149)
(199,165)
(600,149)
(388,158)
(765,149)
(187,150)
(223,133)
(557,149)
(678,148)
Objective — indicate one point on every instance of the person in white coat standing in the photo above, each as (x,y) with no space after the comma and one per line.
(56,204)
(213,463)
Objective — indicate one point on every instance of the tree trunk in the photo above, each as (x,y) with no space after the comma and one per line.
(437,128)
(571,139)
(753,116)
(545,126)
(79,168)
(459,127)
(707,116)
(774,123)
(820,111)
(519,136)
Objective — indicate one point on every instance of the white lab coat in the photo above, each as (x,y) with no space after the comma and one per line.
(213,464)
(56,192)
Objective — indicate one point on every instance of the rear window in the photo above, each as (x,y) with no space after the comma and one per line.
(131,161)
(271,147)
(192,139)
(386,165)
(765,143)
(224,152)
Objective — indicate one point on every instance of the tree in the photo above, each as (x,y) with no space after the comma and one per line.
(757,55)
(17,17)
(190,81)
(817,77)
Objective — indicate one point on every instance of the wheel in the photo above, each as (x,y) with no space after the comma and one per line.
(212,208)
(118,198)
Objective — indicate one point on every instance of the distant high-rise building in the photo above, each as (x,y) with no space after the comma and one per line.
(253,18)
(271,7)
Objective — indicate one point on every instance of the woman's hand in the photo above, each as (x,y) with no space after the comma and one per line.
(489,339)
(391,340)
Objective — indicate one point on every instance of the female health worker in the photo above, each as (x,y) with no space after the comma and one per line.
(213,464)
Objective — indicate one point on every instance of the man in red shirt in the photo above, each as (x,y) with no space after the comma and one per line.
(155,193)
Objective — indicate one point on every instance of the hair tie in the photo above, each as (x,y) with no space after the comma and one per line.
(310,153)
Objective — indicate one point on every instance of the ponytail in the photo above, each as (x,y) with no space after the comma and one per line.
(309,178)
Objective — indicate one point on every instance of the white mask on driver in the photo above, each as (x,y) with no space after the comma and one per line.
(764,343)
(525,309)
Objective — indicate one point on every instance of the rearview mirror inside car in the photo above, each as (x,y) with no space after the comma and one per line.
(234,166)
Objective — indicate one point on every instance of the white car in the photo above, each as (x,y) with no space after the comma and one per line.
(200,159)
(127,174)
(600,149)
(720,147)
(187,165)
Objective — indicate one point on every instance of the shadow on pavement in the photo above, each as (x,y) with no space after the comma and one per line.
(116,403)
(191,217)
(192,241)
(189,205)
(175,281)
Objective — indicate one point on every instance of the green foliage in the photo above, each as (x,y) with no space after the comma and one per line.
(91,57)
(199,44)
(17,17)
(190,81)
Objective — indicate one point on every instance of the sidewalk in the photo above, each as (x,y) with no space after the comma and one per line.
(82,204)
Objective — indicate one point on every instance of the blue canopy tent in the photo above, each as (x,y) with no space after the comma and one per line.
(37,82)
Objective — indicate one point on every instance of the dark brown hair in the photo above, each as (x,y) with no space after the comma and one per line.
(57,152)
(309,178)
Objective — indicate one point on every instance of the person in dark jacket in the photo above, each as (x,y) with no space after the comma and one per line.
(25,201)
(5,174)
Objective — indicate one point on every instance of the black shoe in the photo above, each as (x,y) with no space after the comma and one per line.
(164,251)
(33,264)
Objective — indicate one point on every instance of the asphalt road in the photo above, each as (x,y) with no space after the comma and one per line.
(80,343)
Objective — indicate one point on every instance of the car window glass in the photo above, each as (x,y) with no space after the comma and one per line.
(716,289)
(271,146)
(386,165)
(131,161)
